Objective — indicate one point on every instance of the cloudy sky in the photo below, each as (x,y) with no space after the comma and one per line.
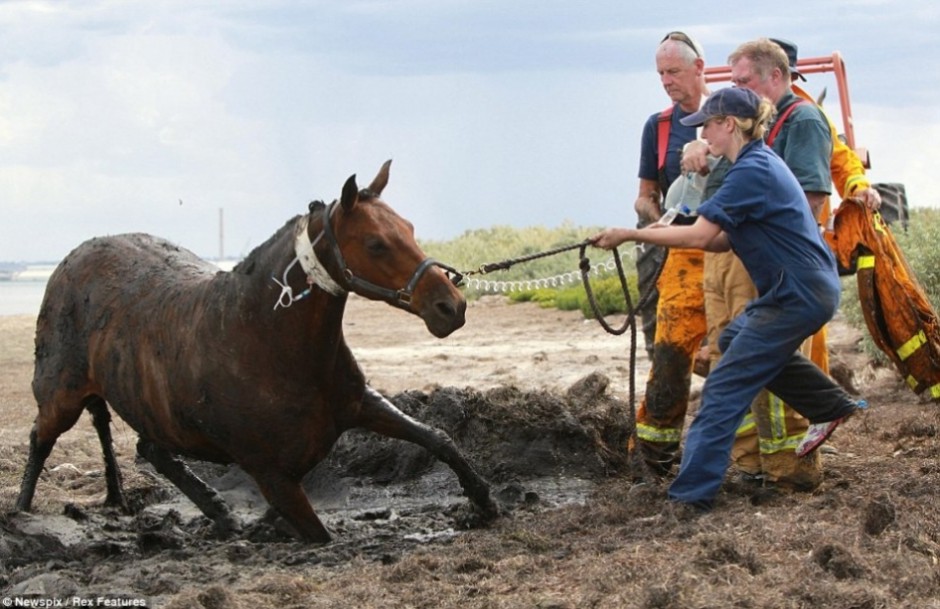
(120,116)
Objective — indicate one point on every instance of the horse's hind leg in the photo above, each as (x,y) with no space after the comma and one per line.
(381,416)
(102,421)
(204,496)
(55,417)
(38,453)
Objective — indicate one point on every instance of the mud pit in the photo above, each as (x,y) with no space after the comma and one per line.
(538,401)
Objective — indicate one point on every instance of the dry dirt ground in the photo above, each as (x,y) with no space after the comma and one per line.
(539,401)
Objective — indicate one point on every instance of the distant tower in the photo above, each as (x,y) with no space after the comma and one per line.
(221,234)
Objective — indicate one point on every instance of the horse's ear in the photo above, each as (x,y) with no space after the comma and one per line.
(350,193)
(381,180)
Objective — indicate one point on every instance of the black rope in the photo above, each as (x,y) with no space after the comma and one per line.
(629,323)
(506,264)
(585,266)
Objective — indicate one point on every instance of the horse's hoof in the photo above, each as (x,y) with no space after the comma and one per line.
(119,504)
(227,527)
(475,516)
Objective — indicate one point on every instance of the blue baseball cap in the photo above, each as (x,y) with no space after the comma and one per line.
(791,50)
(730,101)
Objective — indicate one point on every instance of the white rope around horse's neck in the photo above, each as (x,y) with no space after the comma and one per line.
(527,285)
(313,268)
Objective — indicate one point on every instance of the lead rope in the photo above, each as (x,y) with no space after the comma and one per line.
(628,323)
(505,264)
(636,462)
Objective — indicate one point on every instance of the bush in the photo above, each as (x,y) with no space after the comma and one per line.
(609,296)
(543,297)
(489,245)
(919,244)
(558,276)
(479,246)
(607,291)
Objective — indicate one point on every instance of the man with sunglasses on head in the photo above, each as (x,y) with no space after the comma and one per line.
(680,309)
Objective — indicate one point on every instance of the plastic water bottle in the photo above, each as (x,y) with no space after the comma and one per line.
(683,197)
(667,218)
(685,194)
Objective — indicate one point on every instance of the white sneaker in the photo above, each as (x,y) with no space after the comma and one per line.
(816,434)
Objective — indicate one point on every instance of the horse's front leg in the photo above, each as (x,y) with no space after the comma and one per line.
(381,416)
(205,497)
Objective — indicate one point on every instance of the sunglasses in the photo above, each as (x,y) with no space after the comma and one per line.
(683,38)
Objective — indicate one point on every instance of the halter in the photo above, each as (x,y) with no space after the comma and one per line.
(317,274)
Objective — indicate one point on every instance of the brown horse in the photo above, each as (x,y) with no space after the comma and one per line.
(234,367)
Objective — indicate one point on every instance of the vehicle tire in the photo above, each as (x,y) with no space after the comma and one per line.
(893,203)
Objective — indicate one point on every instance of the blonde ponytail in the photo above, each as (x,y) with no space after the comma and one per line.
(754,128)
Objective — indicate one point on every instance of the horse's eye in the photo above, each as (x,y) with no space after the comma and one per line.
(376,247)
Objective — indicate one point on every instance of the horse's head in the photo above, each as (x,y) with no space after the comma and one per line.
(371,250)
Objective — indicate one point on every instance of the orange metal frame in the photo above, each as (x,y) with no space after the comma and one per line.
(811,65)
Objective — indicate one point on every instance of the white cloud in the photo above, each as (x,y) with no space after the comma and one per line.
(901,150)
(495,113)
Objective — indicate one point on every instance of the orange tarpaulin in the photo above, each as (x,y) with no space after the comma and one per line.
(899,316)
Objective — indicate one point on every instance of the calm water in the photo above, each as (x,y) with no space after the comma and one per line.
(21,297)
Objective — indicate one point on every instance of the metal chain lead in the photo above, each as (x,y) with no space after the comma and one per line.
(505,264)
(523,285)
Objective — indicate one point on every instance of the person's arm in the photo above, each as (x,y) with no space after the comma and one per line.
(647,205)
(816,201)
(703,235)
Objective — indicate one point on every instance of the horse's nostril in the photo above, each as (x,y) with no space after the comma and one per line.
(446,309)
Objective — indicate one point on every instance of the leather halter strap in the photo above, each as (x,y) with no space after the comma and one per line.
(400,298)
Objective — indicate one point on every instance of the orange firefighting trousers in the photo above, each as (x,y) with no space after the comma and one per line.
(680,329)
(900,319)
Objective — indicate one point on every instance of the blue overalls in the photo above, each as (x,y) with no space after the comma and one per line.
(763,210)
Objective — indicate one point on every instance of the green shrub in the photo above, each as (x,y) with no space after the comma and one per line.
(490,245)
(608,293)
(495,244)
(543,297)
(570,299)
(500,243)
(919,244)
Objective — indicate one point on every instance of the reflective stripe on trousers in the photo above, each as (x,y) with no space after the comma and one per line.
(760,350)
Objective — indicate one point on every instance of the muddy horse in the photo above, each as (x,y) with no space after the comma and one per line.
(248,366)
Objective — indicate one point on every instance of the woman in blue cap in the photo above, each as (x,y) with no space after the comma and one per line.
(761,212)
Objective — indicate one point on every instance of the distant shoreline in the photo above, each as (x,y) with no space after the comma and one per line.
(41,271)
(23,287)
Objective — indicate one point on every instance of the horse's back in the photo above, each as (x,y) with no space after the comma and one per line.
(120,271)
(106,285)
(123,258)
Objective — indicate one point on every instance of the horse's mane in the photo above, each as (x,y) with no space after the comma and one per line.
(247,265)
